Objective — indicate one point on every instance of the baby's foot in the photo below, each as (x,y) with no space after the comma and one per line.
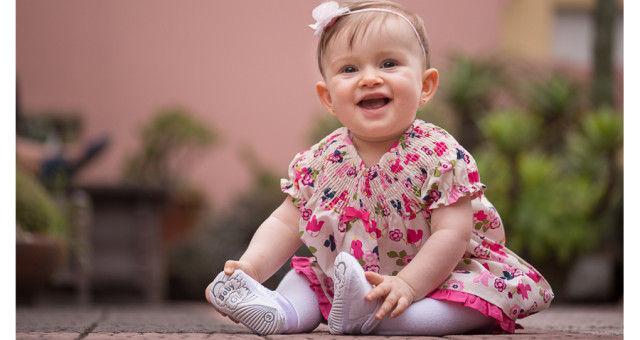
(244,299)
(350,312)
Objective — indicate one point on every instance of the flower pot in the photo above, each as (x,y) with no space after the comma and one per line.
(38,257)
(179,219)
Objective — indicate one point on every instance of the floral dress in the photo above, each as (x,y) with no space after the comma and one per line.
(381,215)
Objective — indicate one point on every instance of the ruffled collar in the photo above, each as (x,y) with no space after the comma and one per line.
(347,139)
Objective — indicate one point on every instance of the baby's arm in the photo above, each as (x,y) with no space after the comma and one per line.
(450,234)
(275,241)
(271,246)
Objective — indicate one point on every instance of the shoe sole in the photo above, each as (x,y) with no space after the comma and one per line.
(335,316)
(234,297)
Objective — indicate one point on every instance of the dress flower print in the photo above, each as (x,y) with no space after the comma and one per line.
(381,215)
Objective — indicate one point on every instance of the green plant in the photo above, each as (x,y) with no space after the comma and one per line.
(551,219)
(36,210)
(510,132)
(595,150)
(469,87)
(170,140)
(556,100)
(559,203)
(601,132)
(544,208)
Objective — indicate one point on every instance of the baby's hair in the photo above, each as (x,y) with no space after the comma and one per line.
(356,25)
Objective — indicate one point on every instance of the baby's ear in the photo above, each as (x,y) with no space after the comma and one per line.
(325,96)
(430,80)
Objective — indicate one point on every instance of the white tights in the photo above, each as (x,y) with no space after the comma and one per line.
(295,288)
(424,317)
(435,318)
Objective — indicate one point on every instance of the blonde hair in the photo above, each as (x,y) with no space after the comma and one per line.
(355,26)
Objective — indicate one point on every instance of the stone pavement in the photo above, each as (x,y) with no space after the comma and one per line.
(199,321)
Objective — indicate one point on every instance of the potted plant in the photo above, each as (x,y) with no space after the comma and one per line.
(170,142)
(41,231)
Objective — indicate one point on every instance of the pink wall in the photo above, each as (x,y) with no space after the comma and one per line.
(245,67)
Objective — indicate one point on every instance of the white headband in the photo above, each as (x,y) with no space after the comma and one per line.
(326,13)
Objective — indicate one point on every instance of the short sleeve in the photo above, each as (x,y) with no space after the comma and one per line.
(454,176)
(302,177)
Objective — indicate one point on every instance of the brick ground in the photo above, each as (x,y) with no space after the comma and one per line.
(199,321)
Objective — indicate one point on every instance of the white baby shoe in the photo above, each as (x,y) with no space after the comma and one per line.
(350,312)
(247,301)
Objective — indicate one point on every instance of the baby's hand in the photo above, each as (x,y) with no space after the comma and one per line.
(229,268)
(246,267)
(395,290)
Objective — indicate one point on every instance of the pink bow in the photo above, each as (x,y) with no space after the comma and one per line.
(353,213)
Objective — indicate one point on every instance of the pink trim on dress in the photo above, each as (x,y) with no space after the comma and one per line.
(302,265)
(469,300)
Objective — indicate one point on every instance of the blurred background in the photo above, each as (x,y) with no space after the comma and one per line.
(151,135)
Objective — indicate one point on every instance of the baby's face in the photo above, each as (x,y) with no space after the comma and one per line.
(375,86)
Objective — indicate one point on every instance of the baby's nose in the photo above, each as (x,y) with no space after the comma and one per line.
(371,78)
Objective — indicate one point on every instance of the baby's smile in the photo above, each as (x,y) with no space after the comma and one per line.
(373,102)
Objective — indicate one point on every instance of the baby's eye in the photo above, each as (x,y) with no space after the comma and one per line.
(389,64)
(349,69)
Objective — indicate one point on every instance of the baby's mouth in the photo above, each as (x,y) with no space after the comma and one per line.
(373,103)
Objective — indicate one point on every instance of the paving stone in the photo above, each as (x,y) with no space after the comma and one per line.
(595,319)
(200,321)
(192,318)
(48,336)
(55,319)
(168,336)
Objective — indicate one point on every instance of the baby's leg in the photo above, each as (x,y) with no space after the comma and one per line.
(295,288)
(244,299)
(352,314)
(434,318)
